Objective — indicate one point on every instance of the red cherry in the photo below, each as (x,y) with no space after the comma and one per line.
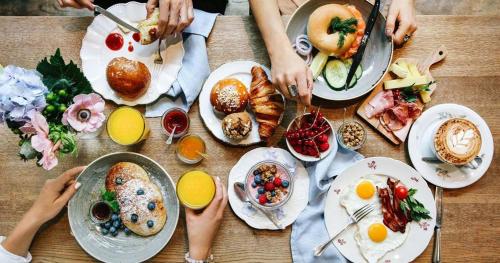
(324,146)
(277,181)
(297,148)
(269,186)
(262,199)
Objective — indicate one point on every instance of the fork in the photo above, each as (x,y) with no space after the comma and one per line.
(354,218)
(158,62)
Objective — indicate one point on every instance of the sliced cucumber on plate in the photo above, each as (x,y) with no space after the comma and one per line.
(335,74)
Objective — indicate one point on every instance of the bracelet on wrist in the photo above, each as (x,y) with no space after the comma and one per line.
(188,259)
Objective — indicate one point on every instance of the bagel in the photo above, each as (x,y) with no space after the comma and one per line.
(319,29)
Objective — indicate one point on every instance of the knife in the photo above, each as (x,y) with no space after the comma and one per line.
(364,41)
(117,20)
(436,253)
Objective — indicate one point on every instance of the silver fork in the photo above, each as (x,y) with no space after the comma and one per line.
(158,62)
(354,218)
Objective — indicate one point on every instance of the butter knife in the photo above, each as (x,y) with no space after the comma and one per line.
(239,188)
(117,20)
(436,253)
(364,41)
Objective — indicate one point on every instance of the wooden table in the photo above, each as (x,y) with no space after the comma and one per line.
(469,76)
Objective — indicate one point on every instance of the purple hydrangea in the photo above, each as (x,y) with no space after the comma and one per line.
(21,91)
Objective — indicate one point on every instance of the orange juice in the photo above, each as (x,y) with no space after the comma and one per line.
(195,189)
(127,126)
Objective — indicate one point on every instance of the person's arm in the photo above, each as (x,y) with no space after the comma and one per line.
(402,11)
(287,67)
(203,227)
(53,197)
(79,4)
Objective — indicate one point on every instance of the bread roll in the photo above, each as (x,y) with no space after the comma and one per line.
(129,78)
(229,96)
(149,28)
(237,126)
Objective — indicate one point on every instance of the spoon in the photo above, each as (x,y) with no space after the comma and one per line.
(171,136)
(204,155)
(239,188)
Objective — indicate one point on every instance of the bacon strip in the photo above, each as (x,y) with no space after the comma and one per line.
(394,218)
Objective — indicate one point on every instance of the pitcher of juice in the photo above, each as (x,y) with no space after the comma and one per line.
(127,126)
(195,189)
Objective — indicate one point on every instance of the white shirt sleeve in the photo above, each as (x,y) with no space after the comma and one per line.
(7,257)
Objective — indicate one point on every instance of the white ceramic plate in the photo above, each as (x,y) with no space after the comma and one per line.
(294,206)
(306,158)
(336,216)
(420,140)
(240,70)
(376,59)
(96,55)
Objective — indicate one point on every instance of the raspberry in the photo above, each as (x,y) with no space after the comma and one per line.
(269,186)
(262,199)
(277,181)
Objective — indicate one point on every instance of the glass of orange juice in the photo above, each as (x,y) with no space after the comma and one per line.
(127,126)
(191,148)
(195,189)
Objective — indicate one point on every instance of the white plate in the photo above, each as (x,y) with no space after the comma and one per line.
(419,145)
(95,55)
(240,70)
(336,216)
(332,140)
(296,203)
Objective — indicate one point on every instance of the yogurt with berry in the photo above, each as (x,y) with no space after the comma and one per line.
(268,184)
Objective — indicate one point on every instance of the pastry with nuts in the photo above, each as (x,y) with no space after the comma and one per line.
(237,126)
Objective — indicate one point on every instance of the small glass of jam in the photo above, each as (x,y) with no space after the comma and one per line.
(175,118)
(191,149)
(100,212)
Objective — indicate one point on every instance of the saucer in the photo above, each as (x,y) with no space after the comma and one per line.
(288,213)
(442,174)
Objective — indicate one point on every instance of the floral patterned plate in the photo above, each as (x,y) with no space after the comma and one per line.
(336,217)
(441,174)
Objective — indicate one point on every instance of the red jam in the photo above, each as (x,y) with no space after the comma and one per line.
(136,37)
(152,32)
(114,41)
(101,211)
(175,118)
(130,48)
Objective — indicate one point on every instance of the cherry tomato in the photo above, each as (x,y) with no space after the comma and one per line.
(401,192)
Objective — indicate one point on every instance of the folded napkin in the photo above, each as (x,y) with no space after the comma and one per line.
(195,68)
(309,230)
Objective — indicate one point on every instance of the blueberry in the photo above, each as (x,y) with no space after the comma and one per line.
(114,233)
(151,206)
(256,172)
(127,231)
(107,225)
(254,184)
(257,179)
(273,193)
(104,231)
(285,183)
(140,192)
(112,229)
(102,225)
(150,223)
(134,218)
(114,217)
(261,190)
(116,224)
(119,180)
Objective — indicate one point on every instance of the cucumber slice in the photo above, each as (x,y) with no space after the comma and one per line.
(318,63)
(335,74)
(354,80)
(359,70)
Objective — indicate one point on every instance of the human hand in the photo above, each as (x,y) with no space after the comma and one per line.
(77,4)
(175,15)
(54,195)
(404,12)
(287,68)
(202,227)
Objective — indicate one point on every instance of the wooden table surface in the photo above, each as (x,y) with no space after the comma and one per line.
(468,76)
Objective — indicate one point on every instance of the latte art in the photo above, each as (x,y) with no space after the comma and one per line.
(457,141)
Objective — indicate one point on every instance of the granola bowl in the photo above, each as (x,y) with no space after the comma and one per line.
(268,185)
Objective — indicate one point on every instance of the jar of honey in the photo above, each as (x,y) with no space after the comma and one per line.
(191,148)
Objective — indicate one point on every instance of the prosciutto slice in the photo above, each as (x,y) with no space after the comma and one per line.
(400,116)
(382,101)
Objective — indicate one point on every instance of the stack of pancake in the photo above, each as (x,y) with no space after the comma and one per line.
(141,202)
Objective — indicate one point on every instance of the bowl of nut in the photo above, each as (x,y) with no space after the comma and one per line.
(351,135)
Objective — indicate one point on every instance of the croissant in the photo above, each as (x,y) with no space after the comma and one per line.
(267,107)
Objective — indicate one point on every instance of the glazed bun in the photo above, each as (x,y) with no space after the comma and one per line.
(237,126)
(129,78)
(229,96)
(318,29)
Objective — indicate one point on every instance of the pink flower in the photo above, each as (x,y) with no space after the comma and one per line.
(41,142)
(86,113)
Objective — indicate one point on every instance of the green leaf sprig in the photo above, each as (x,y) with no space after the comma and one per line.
(343,27)
(413,207)
(410,92)
(110,199)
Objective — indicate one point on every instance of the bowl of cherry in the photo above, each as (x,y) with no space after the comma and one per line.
(310,138)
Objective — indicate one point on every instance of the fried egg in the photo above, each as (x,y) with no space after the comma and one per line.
(373,238)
